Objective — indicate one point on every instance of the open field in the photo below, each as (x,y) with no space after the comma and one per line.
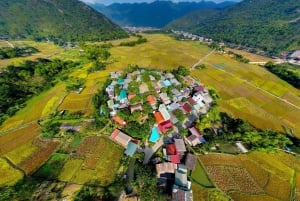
(96,161)
(252,57)
(255,176)
(199,175)
(252,93)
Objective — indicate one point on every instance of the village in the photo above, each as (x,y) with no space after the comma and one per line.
(167,97)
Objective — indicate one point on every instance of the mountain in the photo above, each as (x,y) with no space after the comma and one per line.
(64,19)
(268,25)
(155,14)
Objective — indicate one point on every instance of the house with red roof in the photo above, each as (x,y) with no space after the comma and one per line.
(172,154)
(120,138)
(165,126)
(119,121)
(186,108)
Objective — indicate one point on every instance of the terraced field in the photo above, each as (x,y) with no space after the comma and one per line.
(254,176)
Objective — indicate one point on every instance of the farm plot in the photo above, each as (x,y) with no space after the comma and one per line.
(246,197)
(38,158)
(199,175)
(297,190)
(17,138)
(220,159)
(278,188)
(9,175)
(96,161)
(233,178)
(20,154)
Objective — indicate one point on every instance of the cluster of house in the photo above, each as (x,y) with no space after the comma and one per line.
(191,36)
(192,98)
(140,29)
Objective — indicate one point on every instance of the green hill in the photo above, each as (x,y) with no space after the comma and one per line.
(269,25)
(68,20)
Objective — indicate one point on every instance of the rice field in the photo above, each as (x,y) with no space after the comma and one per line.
(97,160)
(9,175)
(254,176)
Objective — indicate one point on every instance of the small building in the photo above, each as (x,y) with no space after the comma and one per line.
(165,126)
(120,81)
(152,78)
(171,149)
(131,96)
(175,82)
(123,96)
(180,146)
(198,88)
(151,99)
(241,147)
(143,88)
(136,107)
(110,104)
(166,83)
(192,140)
(131,149)
(119,121)
(186,108)
(181,178)
(197,97)
(190,161)
(169,75)
(181,195)
(158,117)
(120,138)
(163,110)
(164,98)
(173,106)
(166,167)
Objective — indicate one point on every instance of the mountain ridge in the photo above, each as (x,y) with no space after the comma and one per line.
(256,24)
(156,14)
(68,20)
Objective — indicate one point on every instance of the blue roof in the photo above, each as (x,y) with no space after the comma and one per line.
(131,149)
(123,94)
(167,83)
(202,140)
(154,135)
(120,81)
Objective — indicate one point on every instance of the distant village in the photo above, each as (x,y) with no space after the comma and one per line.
(191,98)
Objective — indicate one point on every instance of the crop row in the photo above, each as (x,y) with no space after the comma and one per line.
(233,178)
(220,159)
(87,145)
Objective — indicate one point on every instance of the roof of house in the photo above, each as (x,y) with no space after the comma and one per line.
(198,88)
(195,131)
(110,104)
(163,110)
(181,178)
(120,81)
(151,99)
(123,94)
(158,117)
(192,101)
(131,96)
(120,138)
(187,108)
(174,158)
(118,120)
(136,107)
(164,126)
(131,149)
(171,149)
(190,161)
(193,140)
(181,195)
(180,146)
(167,83)
(166,167)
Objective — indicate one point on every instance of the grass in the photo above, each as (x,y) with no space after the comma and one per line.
(252,57)
(246,197)
(9,175)
(51,169)
(69,170)
(199,175)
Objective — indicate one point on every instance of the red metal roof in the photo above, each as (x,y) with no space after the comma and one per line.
(174,158)
(118,120)
(151,99)
(191,101)
(187,108)
(165,126)
(171,149)
(199,88)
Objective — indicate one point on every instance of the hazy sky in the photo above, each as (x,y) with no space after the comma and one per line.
(107,2)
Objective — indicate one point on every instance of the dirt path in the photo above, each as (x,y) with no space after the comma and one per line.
(201,60)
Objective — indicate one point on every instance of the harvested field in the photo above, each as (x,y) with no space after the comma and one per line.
(20,154)
(220,159)
(260,176)
(233,178)
(17,138)
(87,145)
(39,157)
(246,197)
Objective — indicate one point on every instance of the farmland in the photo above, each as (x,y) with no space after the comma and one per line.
(96,161)
(254,176)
